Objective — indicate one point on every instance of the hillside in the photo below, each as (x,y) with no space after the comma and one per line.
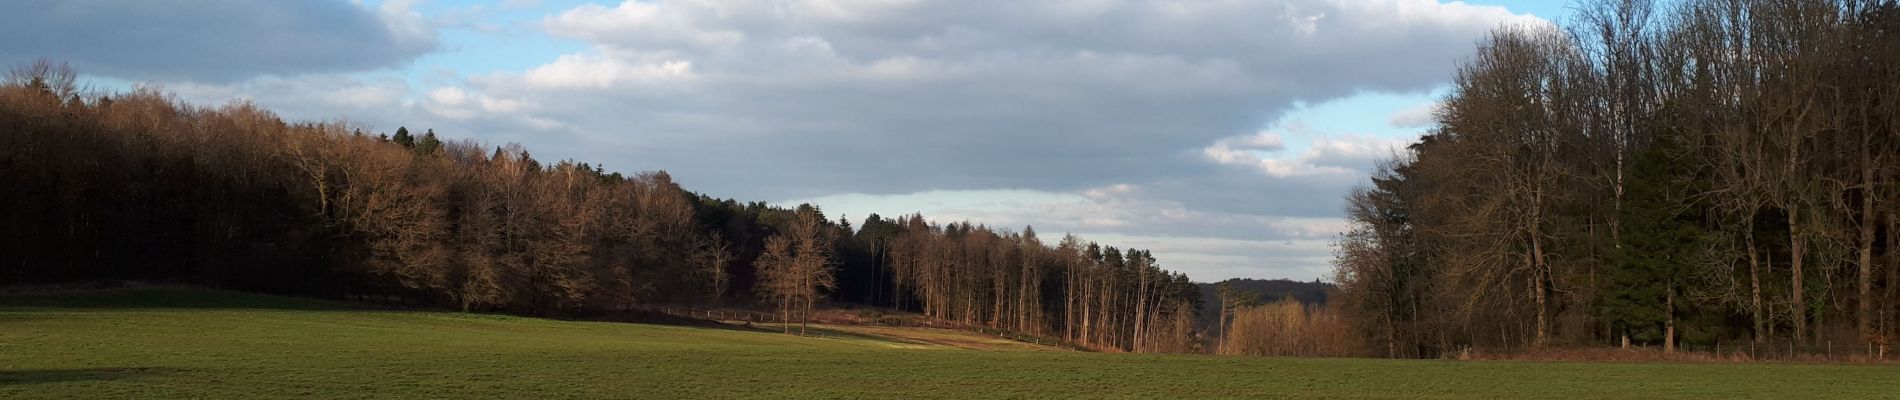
(1269,290)
(171,343)
(140,186)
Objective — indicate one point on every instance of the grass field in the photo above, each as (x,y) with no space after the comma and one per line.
(173,343)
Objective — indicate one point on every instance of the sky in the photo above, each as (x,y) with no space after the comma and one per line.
(1222,135)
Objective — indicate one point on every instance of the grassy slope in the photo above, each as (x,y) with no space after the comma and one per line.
(915,337)
(173,343)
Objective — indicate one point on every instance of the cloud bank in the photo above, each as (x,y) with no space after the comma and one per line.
(213,40)
(1157,120)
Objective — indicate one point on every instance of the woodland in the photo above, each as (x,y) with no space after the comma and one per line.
(141,186)
(1689,174)
(1704,173)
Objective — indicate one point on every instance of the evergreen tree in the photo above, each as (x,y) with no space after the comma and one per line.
(403,138)
(428,145)
(1659,242)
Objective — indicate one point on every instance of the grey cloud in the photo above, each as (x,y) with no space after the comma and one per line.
(792,100)
(212,40)
(801,100)
(1208,245)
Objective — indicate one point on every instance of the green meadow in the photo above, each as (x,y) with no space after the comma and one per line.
(183,343)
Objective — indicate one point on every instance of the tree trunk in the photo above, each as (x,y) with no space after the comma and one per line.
(1539,274)
(1141,307)
(1087,314)
(1391,338)
(1893,277)
(1669,324)
(1068,306)
(1754,282)
(1022,297)
(1220,326)
(1796,250)
(1864,306)
(996,312)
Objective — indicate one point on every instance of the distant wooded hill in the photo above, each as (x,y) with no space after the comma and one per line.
(1270,290)
(103,187)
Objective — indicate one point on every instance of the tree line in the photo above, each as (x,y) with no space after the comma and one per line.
(142,186)
(1085,293)
(1716,170)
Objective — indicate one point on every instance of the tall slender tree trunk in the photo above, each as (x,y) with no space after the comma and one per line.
(1754,283)
(1892,303)
(1087,312)
(1105,318)
(1220,326)
(877,272)
(1616,224)
(1864,310)
(1068,305)
(1391,337)
(1540,274)
(1669,325)
(1796,246)
(1796,249)
(1022,296)
(1893,276)
(1105,332)
(1141,306)
(997,311)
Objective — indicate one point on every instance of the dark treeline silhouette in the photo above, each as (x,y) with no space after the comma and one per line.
(1720,171)
(142,186)
(1088,294)
(1259,291)
(1274,317)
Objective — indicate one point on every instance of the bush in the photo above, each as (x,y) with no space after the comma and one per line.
(1289,328)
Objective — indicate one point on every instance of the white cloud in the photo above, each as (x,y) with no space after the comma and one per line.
(1245,150)
(1417,116)
(1350,151)
(361,96)
(1345,155)
(638,25)
(1263,141)
(1208,245)
(1305,24)
(450,102)
(588,72)
(453,103)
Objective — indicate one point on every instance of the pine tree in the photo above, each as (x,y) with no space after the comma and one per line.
(428,145)
(403,138)
(1659,239)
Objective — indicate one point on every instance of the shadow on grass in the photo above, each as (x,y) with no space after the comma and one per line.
(35,376)
(830,333)
(165,297)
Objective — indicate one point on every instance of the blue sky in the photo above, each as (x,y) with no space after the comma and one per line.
(1222,135)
